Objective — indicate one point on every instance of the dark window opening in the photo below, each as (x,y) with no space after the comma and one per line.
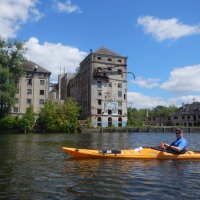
(28,101)
(109,121)
(41,92)
(119,85)
(119,71)
(99,102)
(119,121)
(99,121)
(29,81)
(29,91)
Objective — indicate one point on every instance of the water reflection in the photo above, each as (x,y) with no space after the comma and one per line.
(128,179)
(34,167)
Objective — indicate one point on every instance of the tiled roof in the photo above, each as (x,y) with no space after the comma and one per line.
(106,51)
(30,66)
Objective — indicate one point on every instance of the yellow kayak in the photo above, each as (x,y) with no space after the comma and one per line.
(138,153)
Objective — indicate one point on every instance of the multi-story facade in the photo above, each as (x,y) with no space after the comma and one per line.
(187,115)
(33,88)
(100,88)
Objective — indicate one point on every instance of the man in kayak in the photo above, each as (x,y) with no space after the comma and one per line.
(178,146)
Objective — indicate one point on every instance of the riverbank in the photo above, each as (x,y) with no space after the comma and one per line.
(141,129)
(117,130)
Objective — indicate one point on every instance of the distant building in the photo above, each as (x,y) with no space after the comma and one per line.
(54,93)
(100,88)
(64,80)
(55,90)
(33,88)
(187,115)
(158,121)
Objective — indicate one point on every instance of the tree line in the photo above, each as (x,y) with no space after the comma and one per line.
(137,117)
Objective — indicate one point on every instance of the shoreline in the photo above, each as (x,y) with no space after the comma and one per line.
(112,130)
(141,129)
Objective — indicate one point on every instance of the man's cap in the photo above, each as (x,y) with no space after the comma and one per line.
(179,130)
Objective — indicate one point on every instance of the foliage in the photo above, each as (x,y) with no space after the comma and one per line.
(71,112)
(136,117)
(28,120)
(9,122)
(47,116)
(11,59)
(162,111)
(57,117)
(89,122)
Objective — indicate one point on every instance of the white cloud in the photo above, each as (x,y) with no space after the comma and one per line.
(138,100)
(53,56)
(146,83)
(184,99)
(141,101)
(66,7)
(167,29)
(183,80)
(13,13)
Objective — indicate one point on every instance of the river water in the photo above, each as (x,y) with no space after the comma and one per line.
(33,166)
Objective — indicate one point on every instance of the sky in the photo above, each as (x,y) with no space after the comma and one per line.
(161,39)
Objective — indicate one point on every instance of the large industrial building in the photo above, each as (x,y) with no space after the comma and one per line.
(100,88)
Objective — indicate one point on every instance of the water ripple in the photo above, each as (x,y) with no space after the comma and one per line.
(34,167)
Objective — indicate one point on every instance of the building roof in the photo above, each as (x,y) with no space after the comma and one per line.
(30,66)
(189,109)
(106,51)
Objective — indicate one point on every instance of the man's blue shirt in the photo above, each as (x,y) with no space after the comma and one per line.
(180,142)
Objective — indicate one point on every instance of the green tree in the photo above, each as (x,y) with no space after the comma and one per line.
(163,111)
(59,117)
(71,110)
(48,116)
(136,117)
(9,122)
(27,122)
(11,60)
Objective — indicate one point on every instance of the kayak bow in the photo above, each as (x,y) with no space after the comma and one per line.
(138,153)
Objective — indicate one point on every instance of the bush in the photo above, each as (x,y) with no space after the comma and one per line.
(9,122)
(55,117)
(27,122)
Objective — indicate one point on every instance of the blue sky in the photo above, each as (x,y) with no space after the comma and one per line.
(160,38)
